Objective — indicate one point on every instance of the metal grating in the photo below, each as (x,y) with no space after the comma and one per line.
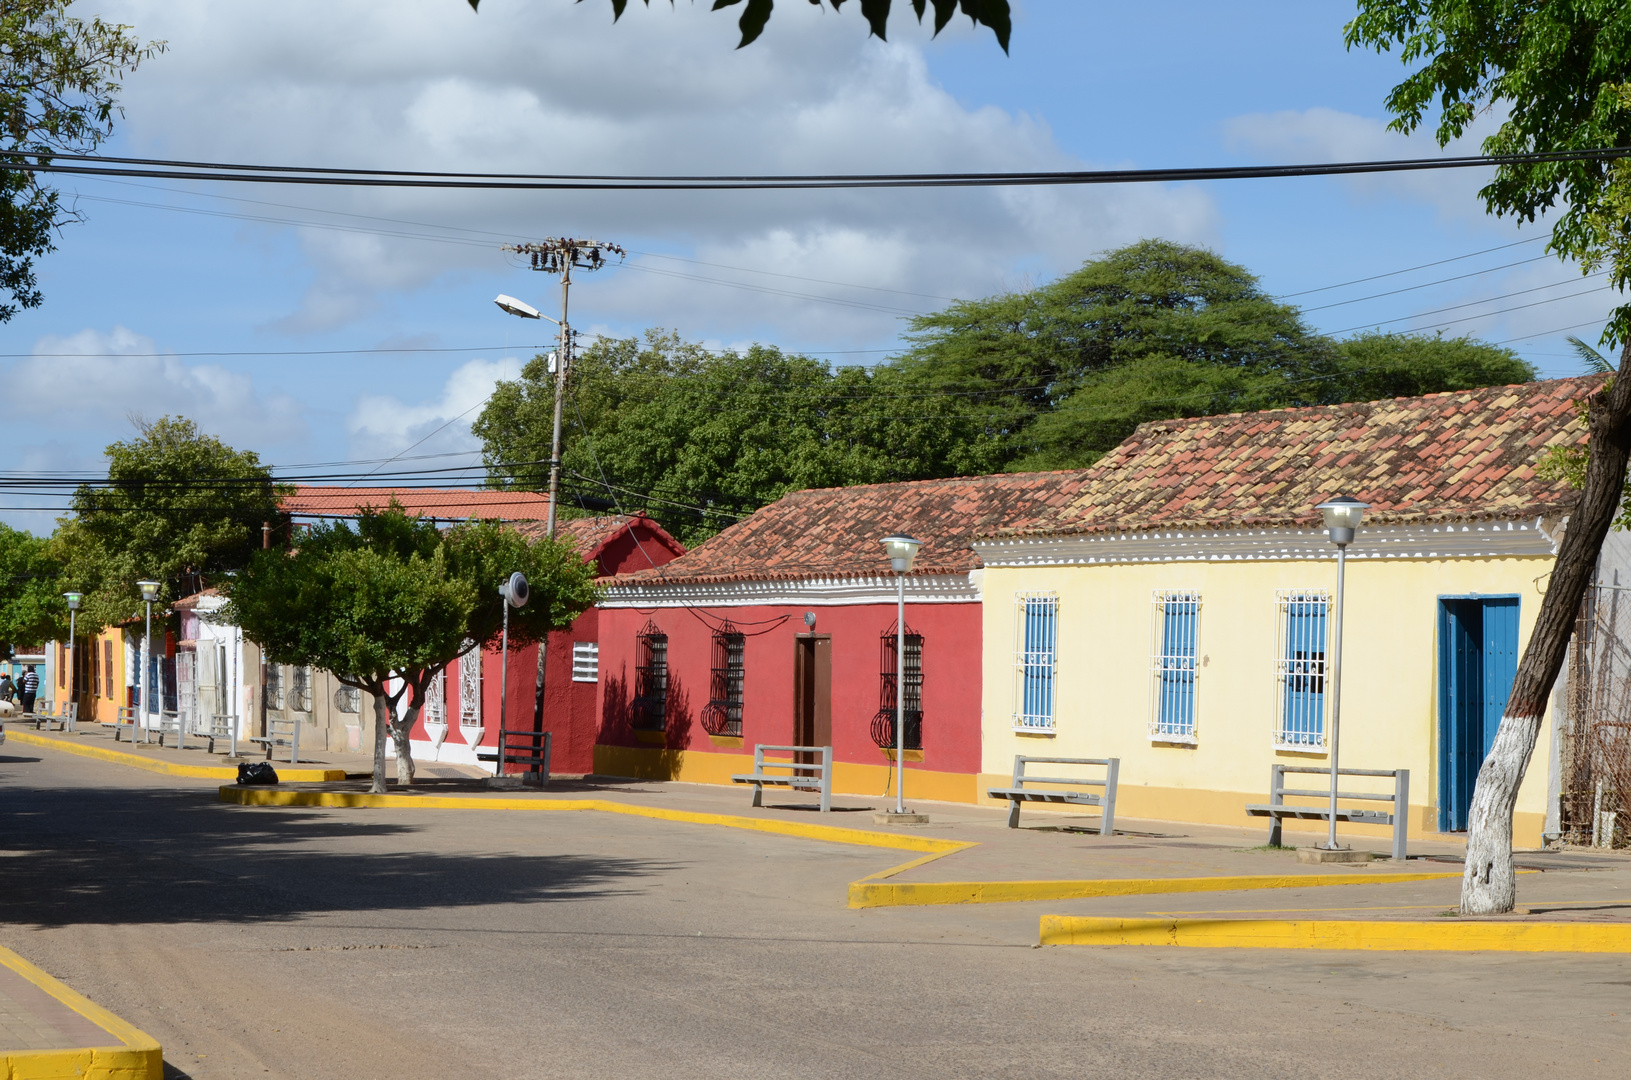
(1036,660)
(1173,655)
(1299,670)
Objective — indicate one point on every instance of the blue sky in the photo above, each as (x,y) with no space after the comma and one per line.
(145,304)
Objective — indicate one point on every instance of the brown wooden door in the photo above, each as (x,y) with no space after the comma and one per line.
(812,692)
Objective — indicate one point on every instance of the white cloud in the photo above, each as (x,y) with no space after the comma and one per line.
(382,425)
(531,87)
(90,378)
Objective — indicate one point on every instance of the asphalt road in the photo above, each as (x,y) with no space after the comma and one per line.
(366,943)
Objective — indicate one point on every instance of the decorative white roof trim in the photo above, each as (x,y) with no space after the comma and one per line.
(1444,540)
(806,592)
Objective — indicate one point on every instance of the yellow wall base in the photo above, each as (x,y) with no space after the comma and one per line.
(849,778)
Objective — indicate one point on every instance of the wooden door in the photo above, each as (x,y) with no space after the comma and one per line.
(1478,659)
(812,692)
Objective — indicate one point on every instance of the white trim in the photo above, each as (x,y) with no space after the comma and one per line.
(1448,540)
(811,592)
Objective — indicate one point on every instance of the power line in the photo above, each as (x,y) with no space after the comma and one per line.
(1409,269)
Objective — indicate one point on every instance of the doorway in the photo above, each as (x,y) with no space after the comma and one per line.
(812,693)
(1478,658)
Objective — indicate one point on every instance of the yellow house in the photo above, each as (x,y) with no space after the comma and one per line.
(1177,614)
(96,678)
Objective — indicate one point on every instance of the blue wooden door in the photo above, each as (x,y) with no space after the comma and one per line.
(1478,658)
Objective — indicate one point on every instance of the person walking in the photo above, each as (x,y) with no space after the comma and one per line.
(30,688)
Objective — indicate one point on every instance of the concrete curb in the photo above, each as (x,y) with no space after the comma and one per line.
(138,1058)
(293,774)
(1439,936)
(868,894)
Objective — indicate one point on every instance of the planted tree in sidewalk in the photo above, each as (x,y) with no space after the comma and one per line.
(1560,73)
(31,606)
(387,601)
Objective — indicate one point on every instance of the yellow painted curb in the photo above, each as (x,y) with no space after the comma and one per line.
(870,893)
(260,796)
(1446,935)
(138,1058)
(292,774)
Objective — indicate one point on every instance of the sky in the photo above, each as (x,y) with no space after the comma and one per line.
(319,326)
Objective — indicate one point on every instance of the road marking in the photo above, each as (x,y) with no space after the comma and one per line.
(1438,935)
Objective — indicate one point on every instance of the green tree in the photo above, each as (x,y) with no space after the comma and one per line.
(1559,73)
(59,86)
(179,507)
(1375,366)
(31,606)
(991,13)
(390,599)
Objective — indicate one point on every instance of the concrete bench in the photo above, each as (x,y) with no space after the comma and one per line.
(802,775)
(527,748)
(280,733)
(1277,809)
(126,720)
(214,728)
(1062,789)
(170,724)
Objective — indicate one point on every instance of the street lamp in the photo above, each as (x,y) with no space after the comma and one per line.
(150,593)
(73,599)
(1342,517)
(901,549)
(523,310)
(516,592)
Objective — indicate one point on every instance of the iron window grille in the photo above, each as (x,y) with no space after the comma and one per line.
(1299,671)
(586,661)
(1036,660)
(1176,633)
(723,716)
(883,724)
(300,689)
(348,699)
(470,687)
(274,687)
(651,679)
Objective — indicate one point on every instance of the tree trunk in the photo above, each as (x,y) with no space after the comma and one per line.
(402,729)
(1489,885)
(538,695)
(382,720)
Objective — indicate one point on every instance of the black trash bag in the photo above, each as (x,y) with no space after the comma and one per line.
(256,772)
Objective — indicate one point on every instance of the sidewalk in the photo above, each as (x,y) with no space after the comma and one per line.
(48,1030)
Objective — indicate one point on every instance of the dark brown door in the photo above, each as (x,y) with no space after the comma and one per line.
(812,692)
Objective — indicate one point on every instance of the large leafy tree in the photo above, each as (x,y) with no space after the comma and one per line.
(387,601)
(59,86)
(31,604)
(1559,72)
(756,13)
(179,507)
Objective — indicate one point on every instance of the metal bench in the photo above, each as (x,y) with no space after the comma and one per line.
(1019,793)
(1277,809)
(280,733)
(170,724)
(529,748)
(126,718)
(804,775)
(214,728)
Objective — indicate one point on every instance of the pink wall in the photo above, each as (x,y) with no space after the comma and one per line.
(951,676)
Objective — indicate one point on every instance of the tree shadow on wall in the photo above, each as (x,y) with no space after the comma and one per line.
(617,726)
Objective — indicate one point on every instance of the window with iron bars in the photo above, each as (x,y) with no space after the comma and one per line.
(1299,671)
(1176,633)
(274,687)
(1036,660)
(650,711)
(723,716)
(300,689)
(883,724)
(348,699)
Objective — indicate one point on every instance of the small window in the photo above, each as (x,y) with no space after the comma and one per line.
(651,679)
(1036,660)
(723,716)
(1299,672)
(274,687)
(348,699)
(300,689)
(586,661)
(884,723)
(1176,634)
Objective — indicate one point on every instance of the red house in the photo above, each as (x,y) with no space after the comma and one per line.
(781,629)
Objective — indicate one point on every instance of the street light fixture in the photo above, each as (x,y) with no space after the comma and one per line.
(73,599)
(902,550)
(522,309)
(1342,516)
(150,593)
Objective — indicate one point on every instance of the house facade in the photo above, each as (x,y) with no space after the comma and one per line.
(1179,613)
(782,630)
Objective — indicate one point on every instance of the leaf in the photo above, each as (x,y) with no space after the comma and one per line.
(876,13)
(752,22)
(475,5)
(1595,362)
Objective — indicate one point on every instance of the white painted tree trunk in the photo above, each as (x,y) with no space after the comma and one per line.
(1489,883)
(382,721)
(402,730)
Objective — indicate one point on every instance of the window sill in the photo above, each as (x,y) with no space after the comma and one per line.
(1039,732)
(593,680)
(1301,748)
(1158,739)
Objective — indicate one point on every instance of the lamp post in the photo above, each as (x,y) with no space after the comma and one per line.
(73,599)
(516,592)
(901,549)
(150,593)
(1342,515)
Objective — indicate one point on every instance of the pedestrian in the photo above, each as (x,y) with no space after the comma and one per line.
(8,689)
(30,688)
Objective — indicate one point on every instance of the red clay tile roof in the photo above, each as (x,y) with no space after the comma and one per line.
(442,504)
(1466,455)
(834,532)
(188,603)
(590,534)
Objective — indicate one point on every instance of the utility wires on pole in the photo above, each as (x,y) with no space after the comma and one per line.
(561,255)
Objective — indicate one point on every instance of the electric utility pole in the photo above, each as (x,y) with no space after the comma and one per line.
(560,255)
